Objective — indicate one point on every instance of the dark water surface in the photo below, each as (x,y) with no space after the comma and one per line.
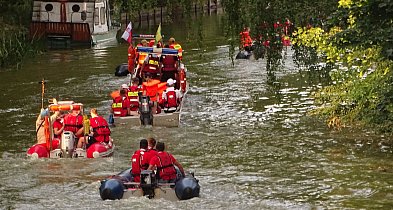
(244,132)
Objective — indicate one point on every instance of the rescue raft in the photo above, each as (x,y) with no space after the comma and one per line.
(120,186)
(161,119)
(66,146)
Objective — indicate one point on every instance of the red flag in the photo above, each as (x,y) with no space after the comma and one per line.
(127,35)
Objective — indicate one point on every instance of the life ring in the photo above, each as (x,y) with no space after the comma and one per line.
(64,107)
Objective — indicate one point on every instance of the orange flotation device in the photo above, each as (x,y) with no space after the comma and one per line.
(65,107)
(115,94)
(151,88)
(47,132)
(131,58)
(182,77)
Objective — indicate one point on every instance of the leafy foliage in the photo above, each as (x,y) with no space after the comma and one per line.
(361,92)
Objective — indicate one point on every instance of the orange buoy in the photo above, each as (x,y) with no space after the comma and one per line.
(65,107)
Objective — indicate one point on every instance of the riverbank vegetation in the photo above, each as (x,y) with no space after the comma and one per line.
(15,17)
(352,38)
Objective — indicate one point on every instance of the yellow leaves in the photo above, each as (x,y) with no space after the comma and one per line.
(345,3)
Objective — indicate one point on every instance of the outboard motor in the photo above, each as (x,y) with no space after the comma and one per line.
(148,183)
(122,70)
(146,115)
(67,144)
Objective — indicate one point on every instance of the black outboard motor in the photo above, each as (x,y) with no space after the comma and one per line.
(146,115)
(122,70)
(148,183)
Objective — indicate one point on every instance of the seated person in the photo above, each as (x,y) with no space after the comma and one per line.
(99,127)
(74,122)
(150,65)
(121,105)
(165,164)
(58,126)
(171,97)
(133,92)
(140,160)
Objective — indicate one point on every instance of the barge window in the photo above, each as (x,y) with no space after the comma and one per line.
(49,7)
(76,8)
(102,15)
(96,16)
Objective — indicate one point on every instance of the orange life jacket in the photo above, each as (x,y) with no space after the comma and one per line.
(151,89)
(131,58)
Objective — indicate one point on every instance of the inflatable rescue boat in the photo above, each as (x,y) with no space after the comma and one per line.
(120,186)
(66,146)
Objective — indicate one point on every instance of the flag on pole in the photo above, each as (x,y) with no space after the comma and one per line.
(127,35)
(158,34)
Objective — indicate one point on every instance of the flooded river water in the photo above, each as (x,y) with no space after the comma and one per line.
(244,132)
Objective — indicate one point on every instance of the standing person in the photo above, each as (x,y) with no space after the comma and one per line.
(140,160)
(73,122)
(174,45)
(99,127)
(171,97)
(121,105)
(42,124)
(245,38)
(165,164)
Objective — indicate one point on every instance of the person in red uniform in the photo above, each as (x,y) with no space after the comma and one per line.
(140,159)
(74,122)
(245,38)
(165,164)
(151,65)
(133,92)
(174,45)
(58,126)
(121,105)
(99,127)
